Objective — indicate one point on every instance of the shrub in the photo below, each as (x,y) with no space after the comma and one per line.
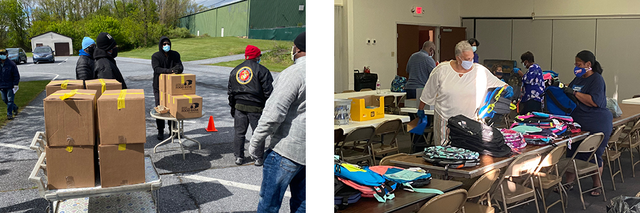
(179,32)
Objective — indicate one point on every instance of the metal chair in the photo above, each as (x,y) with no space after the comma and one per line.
(510,192)
(632,141)
(348,154)
(450,202)
(390,127)
(480,189)
(338,137)
(390,105)
(612,153)
(551,177)
(428,139)
(584,169)
(385,160)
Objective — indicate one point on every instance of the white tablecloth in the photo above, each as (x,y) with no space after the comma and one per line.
(383,92)
(355,124)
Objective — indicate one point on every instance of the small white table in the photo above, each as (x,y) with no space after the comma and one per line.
(177,130)
(375,122)
(415,110)
(635,101)
(383,92)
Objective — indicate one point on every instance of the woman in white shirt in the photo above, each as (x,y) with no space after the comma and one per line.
(456,87)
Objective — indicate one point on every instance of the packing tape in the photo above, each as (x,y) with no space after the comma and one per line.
(104,85)
(64,84)
(121,97)
(64,96)
(181,79)
(69,149)
(122,147)
(161,96)
(190,99)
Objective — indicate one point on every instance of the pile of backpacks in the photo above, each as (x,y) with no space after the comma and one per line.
(539,128)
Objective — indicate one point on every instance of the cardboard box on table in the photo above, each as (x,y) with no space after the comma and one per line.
(179,84)
(367,108)
(70,167)
(100,85)
(70,122)
(121,164)
(54,86)
(162,81)
(121,117)
(185,106)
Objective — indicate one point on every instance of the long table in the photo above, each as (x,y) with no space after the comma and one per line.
(630,112)
(404,201)
(383,92)
(375,122)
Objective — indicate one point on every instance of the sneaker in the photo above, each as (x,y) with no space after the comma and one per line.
(259,162)
(9,117)
(15,112)
(239,161)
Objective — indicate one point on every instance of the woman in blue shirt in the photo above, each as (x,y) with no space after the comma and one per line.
(590,90)
(532,85)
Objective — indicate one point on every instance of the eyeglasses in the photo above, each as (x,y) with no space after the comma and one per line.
(165,44)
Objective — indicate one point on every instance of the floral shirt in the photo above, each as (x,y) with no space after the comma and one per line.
(533,84)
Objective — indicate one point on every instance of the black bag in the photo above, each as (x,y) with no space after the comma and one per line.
(364,80)
(478,137)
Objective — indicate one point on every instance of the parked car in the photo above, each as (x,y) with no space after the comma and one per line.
(43,53)
(17,55)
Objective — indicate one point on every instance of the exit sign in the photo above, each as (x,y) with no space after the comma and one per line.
(417,11)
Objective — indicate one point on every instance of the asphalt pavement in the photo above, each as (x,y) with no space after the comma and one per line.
(207,181)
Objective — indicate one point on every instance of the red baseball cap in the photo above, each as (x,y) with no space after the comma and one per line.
(251,52)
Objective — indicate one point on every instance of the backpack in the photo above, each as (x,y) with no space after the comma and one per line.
(398,83)
(496,101)
(451,157)
(344,195)
(557,102)
(478,137)
(371,184)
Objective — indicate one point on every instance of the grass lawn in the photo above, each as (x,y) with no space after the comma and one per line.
(271,65)
(29,55)
(27,92)
(192,49)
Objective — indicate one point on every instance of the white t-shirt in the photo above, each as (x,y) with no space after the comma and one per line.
(453,94)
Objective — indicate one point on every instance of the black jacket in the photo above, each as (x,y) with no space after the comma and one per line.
(165,64)
(85,68)
(9,75)
(106,67)
(250,84)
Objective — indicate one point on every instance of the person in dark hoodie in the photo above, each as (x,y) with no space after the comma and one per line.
(9,79)
(105,55)
(165,61)
(86,64)
(250,85)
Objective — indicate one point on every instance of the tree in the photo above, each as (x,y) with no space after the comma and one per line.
(12,13)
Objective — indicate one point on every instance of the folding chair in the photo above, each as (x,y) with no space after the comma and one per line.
(480,189)
(551,177)
(390,127)
(612,153)
(510,192)
(632,141)
(450,202)
(348,154)
(385,160)
(584,169)
(390,105)
(338,137)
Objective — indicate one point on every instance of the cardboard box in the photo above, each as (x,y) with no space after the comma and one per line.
(185,106)
(70,122)
(180,84)
(163,99)
(162,81)
(121,164)
(70,167)
(121,117)
(100,85)
(54,86)
(367,108)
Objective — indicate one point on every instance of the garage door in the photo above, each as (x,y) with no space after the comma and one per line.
(62,49)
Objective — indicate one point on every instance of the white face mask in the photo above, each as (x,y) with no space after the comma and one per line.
(525,65)
(467,64)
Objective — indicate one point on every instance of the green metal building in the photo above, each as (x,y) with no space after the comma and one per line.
(256,19)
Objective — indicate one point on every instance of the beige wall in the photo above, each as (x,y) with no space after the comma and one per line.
(524,8)
(377,19)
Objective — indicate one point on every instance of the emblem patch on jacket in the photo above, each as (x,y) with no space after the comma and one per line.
(244,75)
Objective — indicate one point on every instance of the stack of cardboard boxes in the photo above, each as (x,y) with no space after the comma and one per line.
(73,121)
(178,93)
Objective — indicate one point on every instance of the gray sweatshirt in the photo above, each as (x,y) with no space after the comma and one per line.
(283,117)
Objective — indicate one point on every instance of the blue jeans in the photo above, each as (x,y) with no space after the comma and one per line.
(7,98)
(278,173)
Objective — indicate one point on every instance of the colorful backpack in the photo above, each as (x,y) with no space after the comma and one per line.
(371,184)
(451,157)
(513,139)
(398,83)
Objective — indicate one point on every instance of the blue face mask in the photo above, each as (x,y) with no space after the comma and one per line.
(166,48)
(580,71)
(259,60)
(474,48)
(3,57)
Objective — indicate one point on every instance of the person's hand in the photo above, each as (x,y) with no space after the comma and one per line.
(233,112)
(15,86)
(253,152)
(421,113)
(569,91)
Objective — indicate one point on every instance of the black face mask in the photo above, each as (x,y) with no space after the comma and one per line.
(90,49)
(114,52)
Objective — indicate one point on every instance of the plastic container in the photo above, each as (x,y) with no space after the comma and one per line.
(341,111)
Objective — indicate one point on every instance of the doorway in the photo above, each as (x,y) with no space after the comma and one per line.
(449,37)
(409,40)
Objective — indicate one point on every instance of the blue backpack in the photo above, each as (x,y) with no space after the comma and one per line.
(557,102)
(398,83)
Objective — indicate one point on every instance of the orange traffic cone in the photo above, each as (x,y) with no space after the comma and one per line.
(211,127)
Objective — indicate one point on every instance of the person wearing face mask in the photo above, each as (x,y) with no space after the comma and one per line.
(532,85)
(105,55)
(284,120)
(419,68)
(250,85)
(86,64)
(9,79)
(165,61)
(456,87)
(592,114)
(474,45)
